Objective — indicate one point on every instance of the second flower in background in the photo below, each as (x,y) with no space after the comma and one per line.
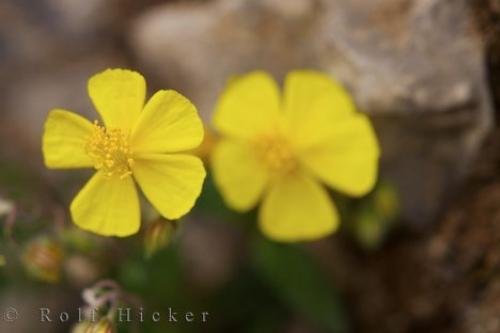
(280,149)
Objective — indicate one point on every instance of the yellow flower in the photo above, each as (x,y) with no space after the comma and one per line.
(137,142)
(281,149)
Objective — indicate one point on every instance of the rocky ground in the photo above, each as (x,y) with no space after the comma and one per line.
(443,279)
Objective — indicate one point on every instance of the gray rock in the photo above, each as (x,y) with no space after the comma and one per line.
(48,50)
(416,66)
(36,33)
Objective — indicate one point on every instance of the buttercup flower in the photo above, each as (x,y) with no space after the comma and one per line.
(145,143)
(280,150)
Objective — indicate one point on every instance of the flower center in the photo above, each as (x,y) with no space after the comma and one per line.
(276,153)
(110,151)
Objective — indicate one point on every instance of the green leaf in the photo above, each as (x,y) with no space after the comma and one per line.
(298,281)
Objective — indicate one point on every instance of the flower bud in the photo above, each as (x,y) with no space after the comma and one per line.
(386,201)
(369,229)
(104,325)
(207,145)
(82,327)
(6,207)
(158,235)
(43,259)
(374,219)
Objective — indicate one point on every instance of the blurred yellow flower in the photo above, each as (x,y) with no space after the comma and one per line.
(146,143)
(280,149)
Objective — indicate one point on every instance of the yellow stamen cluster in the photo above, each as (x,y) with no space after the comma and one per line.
(110,151)
(276,153)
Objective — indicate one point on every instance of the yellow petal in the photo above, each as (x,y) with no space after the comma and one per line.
(313,103)
(297,208)
(107,206)
(169,123)
(249,106)
(118,95)
(348,160)
(64,140)
(172,183)
(240,177)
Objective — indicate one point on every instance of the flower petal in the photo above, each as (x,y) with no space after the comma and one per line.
(348,160)
(297,208)
(172,183)
(250,105)
(118,96)
(169,123)
(313,103)
(64,139)
(108,206)
(240,177)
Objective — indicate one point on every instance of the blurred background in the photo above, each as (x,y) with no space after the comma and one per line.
(421,253)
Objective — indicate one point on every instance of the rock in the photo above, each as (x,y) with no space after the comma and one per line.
(85,21)
(446,280)
(34,33)
(434,113)
(416,66)
(49,48)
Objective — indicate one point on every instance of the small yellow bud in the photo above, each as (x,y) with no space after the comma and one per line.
(158,235)
(104,325)
(82,327)
(386,201)
(375,218)
(369,229)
